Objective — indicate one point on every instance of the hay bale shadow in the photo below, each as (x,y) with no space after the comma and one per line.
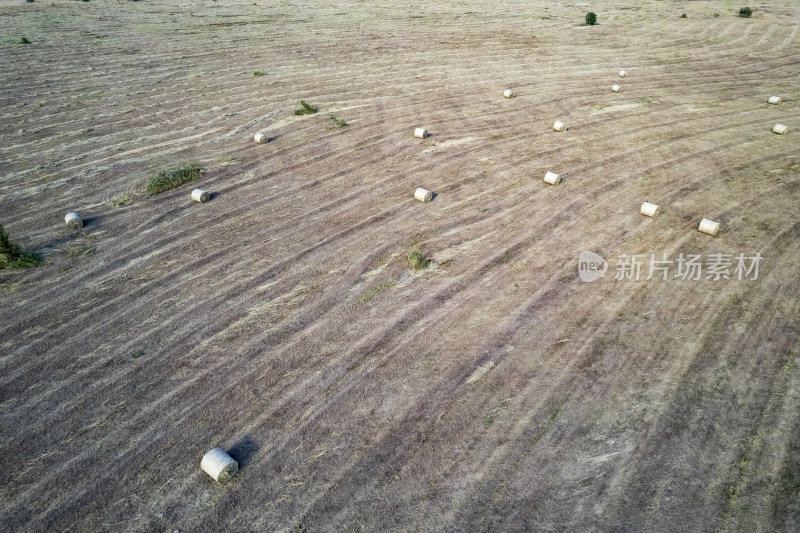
(90,221)
(243,451)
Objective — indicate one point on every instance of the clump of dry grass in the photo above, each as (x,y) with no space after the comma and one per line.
(338,122)
(225,159)
(369,294)
(77,251)
(123,199)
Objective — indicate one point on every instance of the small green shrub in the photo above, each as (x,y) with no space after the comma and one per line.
(591,18)
(684,16)
(306,109)
(23,40)
(716,15)
(258,73)
(416,259)
(169,179)
(745,12)
(12,256)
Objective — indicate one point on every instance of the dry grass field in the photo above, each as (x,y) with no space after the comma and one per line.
(283,321)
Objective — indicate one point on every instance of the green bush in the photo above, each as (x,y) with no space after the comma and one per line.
(12,256)
(684,16)
(745,12)
(591,18)
(306,109)
(169,179)
(416,259)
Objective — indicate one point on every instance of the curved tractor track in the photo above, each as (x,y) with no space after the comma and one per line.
(282,322)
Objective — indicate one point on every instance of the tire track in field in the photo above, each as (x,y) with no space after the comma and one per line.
(578,171)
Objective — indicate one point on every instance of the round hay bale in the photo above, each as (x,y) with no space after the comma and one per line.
(623,73)
(650,210)
(420,133)
(708,226)
(780,129)
(509,93)
(559,126)
(616,88)
(552,178)
(219,465)
(423,195)
(260,138)
(775,100)
(200,196)
(73,220)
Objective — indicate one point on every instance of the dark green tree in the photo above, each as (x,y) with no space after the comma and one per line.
(12,256)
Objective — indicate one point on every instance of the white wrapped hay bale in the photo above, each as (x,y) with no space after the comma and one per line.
(423,195)
(219,465)
(552,178)
(200,196)
(509,93)
(616,89)
(420,133)
(73,220)
(623,73)
(708,226)
(780,129)
(260,138)
(650,210)
(774,100)
(559,126)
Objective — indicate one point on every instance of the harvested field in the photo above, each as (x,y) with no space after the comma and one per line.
(333,334)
